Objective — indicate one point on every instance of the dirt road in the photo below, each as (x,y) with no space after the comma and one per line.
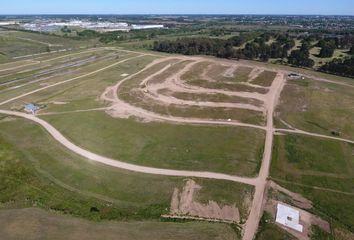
(297,131)
(257,204)
(116,163)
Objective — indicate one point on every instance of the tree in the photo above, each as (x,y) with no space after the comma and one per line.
(327,51)
(340,67)
(300,58)
(351,50)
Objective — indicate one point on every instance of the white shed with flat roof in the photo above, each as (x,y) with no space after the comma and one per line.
(289,217)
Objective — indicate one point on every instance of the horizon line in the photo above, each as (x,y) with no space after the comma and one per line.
(178,14)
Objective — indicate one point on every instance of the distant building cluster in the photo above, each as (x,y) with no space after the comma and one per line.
(47,26)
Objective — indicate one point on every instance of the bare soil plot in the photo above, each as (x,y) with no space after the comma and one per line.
(184,202)
(145,93)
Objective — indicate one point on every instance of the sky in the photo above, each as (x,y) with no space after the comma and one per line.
(325,7)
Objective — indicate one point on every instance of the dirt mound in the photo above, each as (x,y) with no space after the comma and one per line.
(183,203)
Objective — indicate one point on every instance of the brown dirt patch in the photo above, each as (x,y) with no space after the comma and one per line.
(183,203)
(299,200)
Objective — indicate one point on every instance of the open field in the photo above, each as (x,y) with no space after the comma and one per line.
(16,44)
(320,170)
(79,94)
(48,176)
(268,230)
(159,116)
(236,145)
(320,107)
(33,224)
(230,150)
(80,71)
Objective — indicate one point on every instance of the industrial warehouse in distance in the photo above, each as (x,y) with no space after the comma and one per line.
(170,120)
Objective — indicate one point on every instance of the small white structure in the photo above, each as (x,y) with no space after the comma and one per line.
(289,217)
(31,108)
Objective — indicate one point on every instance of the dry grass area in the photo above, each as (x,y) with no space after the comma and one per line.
(265,78)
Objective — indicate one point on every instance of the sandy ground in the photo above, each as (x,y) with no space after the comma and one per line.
(184,203)
(254,74)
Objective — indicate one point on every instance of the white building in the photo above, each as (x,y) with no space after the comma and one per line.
(8,23)
(289,217)
(139,27)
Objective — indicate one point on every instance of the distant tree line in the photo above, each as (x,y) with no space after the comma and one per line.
(119,36)
(245,46)
(340,67)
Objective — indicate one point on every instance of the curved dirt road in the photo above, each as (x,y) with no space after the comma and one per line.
(131,167)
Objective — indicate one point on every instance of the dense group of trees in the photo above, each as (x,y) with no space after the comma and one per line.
(197,46)
(118,36)
(340,67)
(327,47)
(253,47)
(268,45)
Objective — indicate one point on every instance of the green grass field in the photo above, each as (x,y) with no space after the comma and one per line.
(17,44)
(318,107)
(39,172)
(229,150)
(32,224)
(268,230)
(320,170)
